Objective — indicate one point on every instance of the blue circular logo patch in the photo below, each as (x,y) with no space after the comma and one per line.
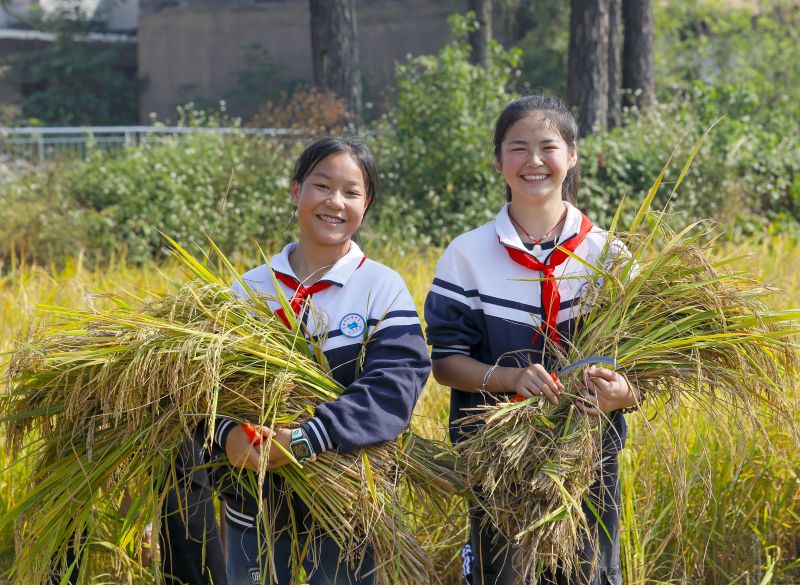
(352,325)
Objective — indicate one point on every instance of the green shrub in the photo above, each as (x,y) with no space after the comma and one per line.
(120,201)
(74,82)
(438,178)
(746,174)
(752,47)
(435,146)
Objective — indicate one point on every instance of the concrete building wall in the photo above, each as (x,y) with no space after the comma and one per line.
(119,15)
(193,49)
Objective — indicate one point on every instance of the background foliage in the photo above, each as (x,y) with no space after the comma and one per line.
(435,152)
(230,186)
(71,82)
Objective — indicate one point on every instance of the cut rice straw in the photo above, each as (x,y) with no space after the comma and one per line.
(101,402)
(682,327)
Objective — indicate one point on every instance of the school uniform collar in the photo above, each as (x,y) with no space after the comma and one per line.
(508,236)
(338,274)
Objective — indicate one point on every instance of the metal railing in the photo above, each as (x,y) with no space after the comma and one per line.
(39,144)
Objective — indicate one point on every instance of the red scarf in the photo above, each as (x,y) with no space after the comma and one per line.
(551,299)
(301,292)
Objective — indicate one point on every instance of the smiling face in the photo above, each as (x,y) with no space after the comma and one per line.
(534,160)
(331,202)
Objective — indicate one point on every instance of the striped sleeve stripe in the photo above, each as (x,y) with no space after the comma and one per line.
(387,322)
(471,302)
(401,313)
(238,518)
(443,350)
(317,435)
(454,288)
(474,300)
(335,339)
(223,427)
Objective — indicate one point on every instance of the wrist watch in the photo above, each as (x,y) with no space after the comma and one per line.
(300,446)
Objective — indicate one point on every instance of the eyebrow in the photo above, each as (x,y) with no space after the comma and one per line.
(330,178)
(525,142)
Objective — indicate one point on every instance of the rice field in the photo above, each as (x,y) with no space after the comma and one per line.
(705,500)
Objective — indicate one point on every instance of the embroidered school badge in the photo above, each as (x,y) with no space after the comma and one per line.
(352,325)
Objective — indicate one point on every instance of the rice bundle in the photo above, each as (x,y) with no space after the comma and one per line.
(681,326)
(102,402)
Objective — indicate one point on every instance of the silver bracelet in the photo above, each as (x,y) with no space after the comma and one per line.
(488,375)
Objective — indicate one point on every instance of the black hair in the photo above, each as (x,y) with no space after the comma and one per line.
(561,120)
(355,147)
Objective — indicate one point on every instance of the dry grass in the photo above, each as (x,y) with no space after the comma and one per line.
(99,399)
(706,501)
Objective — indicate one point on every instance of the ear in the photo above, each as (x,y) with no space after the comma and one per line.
(498,164)
(573,156)
(294,193)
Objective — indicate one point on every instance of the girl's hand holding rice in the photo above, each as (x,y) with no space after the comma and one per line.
(533,381)
(605,392)
(244,451)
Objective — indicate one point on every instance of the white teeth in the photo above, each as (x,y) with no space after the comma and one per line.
(330,219)
(534,177)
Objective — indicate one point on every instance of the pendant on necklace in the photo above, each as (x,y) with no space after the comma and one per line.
(537,249)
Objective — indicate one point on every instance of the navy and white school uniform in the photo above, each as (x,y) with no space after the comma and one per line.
(357,299)
(486,303)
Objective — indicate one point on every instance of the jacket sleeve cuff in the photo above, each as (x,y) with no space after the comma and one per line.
(317,435)
(222,427)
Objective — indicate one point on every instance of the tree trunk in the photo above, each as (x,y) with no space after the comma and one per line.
(480,37)
(638,78)
(334,49)
(522,21)
(614,64)
(587,80)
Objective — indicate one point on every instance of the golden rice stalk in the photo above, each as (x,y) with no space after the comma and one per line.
(683,327)
(102,401)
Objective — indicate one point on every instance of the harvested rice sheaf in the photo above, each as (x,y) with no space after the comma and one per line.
(100,404)
(684,328)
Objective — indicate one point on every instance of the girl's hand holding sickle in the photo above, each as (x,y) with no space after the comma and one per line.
(243,446)
(605,391)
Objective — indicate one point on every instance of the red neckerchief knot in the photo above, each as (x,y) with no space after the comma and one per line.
(551,299)
(301,293)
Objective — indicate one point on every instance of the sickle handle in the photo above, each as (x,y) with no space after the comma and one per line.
(252,434)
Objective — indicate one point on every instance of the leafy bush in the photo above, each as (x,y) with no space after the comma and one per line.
(751,47)
(74,82)
(435,152)
(746,174)
(305,108)
(177,185)
(435,146)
